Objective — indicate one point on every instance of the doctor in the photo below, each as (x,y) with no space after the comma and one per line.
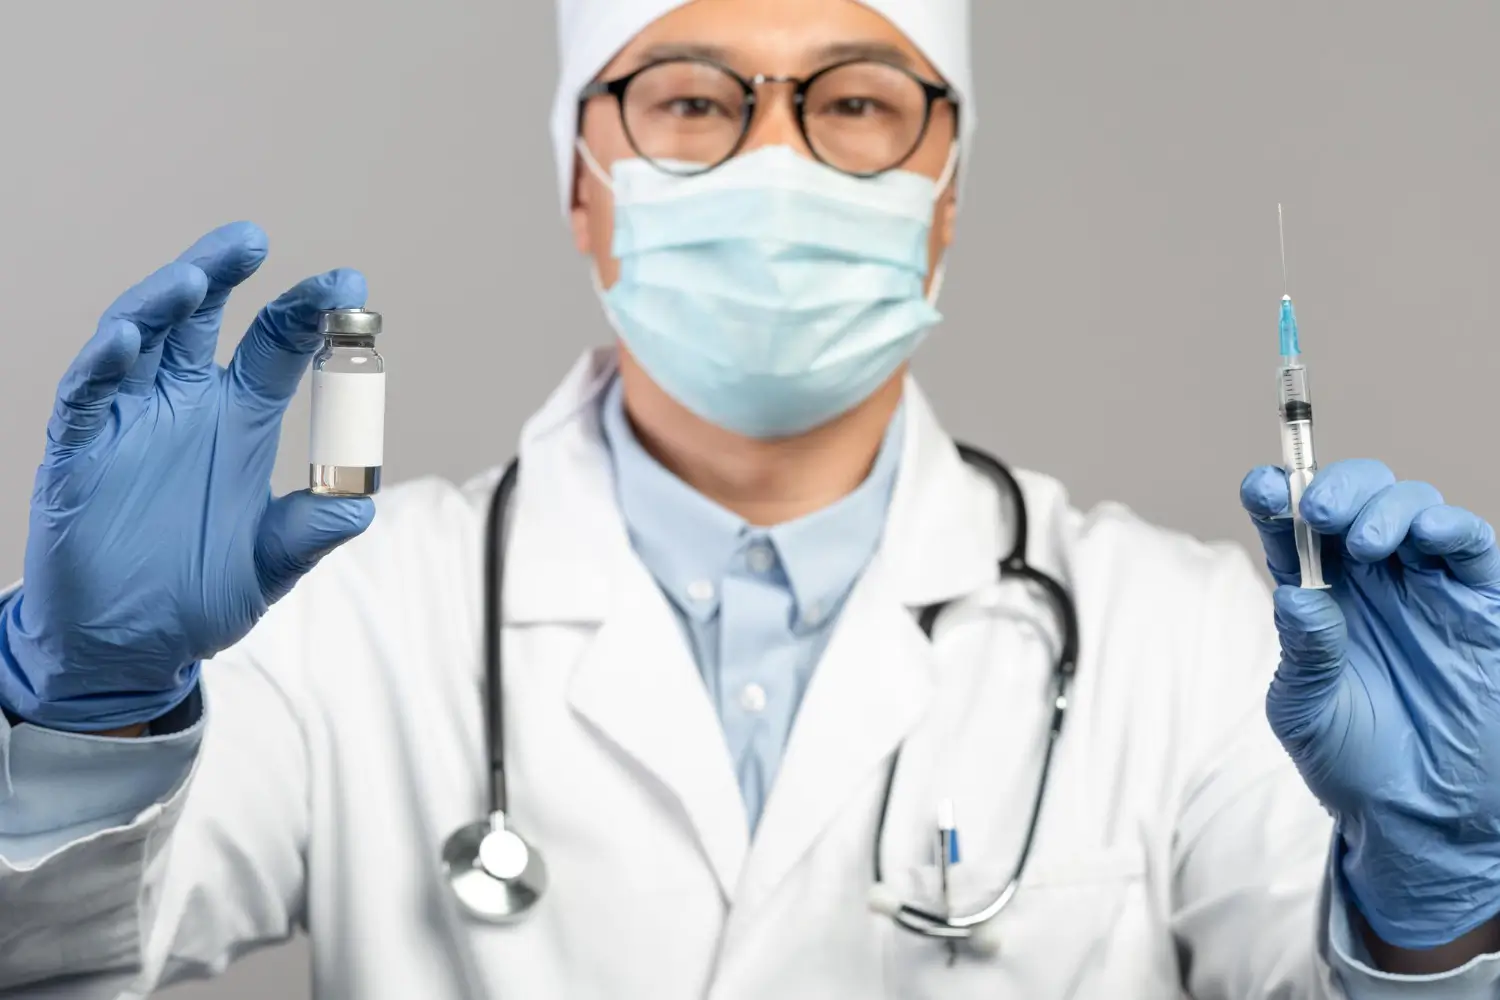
(721,544)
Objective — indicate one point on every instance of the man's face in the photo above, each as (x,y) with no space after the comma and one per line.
(773,37)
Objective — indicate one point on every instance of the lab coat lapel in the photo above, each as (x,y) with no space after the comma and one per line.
(638,687)
(635,685)
(871,688)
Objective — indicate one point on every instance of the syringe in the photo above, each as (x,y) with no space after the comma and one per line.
(1297,444)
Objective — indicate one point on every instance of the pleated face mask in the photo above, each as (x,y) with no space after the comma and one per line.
(772,293)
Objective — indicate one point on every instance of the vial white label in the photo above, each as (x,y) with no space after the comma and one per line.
(348,418)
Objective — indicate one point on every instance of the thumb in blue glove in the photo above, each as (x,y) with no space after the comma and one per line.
(299,529)
(1315,682)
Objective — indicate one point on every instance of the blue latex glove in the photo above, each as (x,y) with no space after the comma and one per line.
(1388,692)
(154,539)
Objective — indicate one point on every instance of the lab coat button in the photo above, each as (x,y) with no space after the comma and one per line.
(753,698)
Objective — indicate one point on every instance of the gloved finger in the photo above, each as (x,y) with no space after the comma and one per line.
(1264,495)
(155,305)
(1314,641)
(1312,628)
(1340,491)
(1380,527)
(274,353)
(299,529)
(87,391)
(1462,539)
(227,256)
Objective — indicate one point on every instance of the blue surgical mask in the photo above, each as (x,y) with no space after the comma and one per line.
(773,293)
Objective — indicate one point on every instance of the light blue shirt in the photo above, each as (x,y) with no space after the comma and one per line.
(757,604)
(757,632)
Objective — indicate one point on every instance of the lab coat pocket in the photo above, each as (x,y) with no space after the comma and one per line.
(1074,928)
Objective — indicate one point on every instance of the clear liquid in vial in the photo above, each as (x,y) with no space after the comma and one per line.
(345,480)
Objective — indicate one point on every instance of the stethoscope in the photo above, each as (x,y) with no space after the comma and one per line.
(497,876)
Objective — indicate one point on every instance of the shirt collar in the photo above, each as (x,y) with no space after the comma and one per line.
(689,543)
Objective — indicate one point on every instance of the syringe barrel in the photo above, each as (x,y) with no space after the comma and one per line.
(1292,388)
(1297,453)
(1295,410)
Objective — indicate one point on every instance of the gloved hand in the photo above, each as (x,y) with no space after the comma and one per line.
(154,540)
(1387,697)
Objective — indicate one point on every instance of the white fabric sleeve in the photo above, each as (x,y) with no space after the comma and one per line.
(164,858)
(1251,841)
(58,787)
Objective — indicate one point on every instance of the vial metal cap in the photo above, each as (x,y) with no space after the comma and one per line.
(359,322)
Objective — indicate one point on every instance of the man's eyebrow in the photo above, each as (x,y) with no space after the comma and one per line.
(877,51)
(836,52)
(683,50)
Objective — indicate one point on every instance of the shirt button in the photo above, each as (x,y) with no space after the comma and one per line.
(701,590)
(753,698)
(761,558)
(812,614)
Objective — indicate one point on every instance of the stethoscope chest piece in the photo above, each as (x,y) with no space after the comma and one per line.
(496,875)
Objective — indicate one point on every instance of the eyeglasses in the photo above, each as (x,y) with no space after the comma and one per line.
(687,116)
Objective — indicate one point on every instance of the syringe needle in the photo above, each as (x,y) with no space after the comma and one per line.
(1281,231)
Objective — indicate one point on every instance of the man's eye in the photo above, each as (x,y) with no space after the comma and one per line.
(854,107)
(693,107)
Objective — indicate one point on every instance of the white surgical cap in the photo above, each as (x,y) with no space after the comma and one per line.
(591,32)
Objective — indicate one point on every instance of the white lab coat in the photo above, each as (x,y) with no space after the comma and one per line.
(343,742)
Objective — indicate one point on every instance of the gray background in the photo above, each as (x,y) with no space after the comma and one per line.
(1111,307)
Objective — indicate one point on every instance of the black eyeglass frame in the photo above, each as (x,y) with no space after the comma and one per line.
(618,87)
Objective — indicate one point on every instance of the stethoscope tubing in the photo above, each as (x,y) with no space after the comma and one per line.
(1011,566)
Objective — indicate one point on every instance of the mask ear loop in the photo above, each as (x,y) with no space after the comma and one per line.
(594,279)
(936,288)
(950,170)
(603,295)
(592,164)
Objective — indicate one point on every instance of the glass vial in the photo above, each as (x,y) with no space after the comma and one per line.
(348,405)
